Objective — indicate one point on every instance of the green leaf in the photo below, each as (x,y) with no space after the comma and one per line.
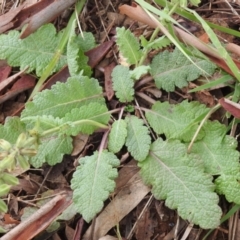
(176,121)
(12,128)
(137,72)
(63,97)
(179,178)
(34,52)
(195,2)
(218,152)
(92,182)
(4,189)
(173,69)
(138,140)
(117,136)
(93,111)
(51,150)
(122,83)
(44,123)
(77,60)
(158,43)
(128,45)
(86,40)
(3,208)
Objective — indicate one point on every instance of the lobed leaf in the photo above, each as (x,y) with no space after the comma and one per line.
(176,121)
(34,52)
(158,43)
(122,83)
(128,45)
(92,182)
(137,72)
(138,140)
(77,60)
(117,136)
(173,69)
(51,150)
(86,41)
(218,152)
(12,128)
(179,178)
(63,97)
(82,118)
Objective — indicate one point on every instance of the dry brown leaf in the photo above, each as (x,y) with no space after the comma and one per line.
(24,83)
(6,19)
(69,232)
(10,80)
(145,226)
(98,53)
(46,15)
(5,71)
(41,219)
(108,237)
(79,142)
(230,106)
(108,80)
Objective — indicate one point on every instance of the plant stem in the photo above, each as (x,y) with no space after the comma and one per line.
(80,122)
(60,49)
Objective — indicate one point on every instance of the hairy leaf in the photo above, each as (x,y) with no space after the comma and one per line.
(92,182)
(51,150)
(128,45)
(117,136)
(138,140)
(170,69)
(82,118)
(220,157)
(34,52)
(45,123)
(180,179)
(176,121)
(122,83)
(137,72)
(12,128)
(86,40)
(77,60)
(63,97)
(156,44)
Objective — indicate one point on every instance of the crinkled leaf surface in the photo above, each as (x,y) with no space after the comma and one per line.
(83,118)
(137,72)
(117,136)
(138,140)
(51,150)
(173,69)
(86,40)
(180,179)
(77,60)
(218,152)
(34,52)
(63,97)
(128,45)
(12,128)
(92,182)
(228,184)
(176,121)
(123,83)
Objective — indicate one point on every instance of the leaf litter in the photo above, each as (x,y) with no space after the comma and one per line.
(119,211)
